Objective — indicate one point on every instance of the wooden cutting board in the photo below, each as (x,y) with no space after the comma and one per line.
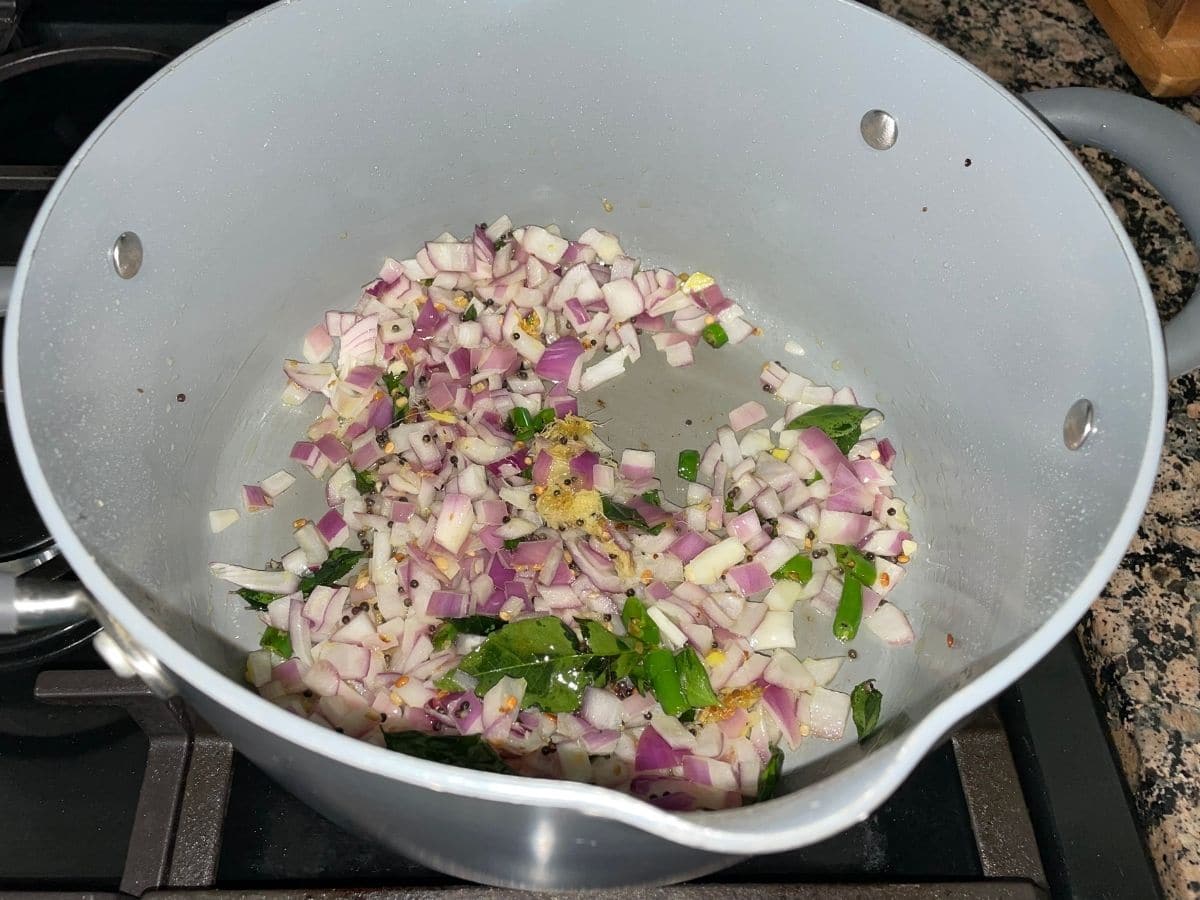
(1160,39)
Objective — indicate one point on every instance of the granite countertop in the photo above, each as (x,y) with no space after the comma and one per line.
(1142,636)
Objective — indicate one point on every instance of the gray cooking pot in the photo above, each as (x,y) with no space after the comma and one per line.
(269,170)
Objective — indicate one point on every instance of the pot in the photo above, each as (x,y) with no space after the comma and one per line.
(812,155)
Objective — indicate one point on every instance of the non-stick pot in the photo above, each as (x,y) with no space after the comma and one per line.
(812,155)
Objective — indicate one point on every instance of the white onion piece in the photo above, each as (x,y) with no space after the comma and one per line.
(258,667)
(540,242)
(602,708)
(605,244)
(709,565)
(273,582)
(610,367)
(827,711)
(274,485)
(784,595)
(220,519)
(295,562)
(825,670)
(787,671)
(623,299)
(889,623)
(675,638)
(499,228)
(311,543)
(776,630)
(673,731)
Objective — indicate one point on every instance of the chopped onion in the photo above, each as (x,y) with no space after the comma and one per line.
(274,581)
(789,672)
(827,711)
(715,561)
(889,623)
(423,384)
(220,519)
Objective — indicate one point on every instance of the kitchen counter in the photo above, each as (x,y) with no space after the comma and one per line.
(1141,636)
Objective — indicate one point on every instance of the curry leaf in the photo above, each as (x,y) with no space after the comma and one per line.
(256,599)
(638,622)
(600,640)
(466,751)
(543,652)
(693,679)
(627,515)
(445,633)
(365,482)
(843,423)
(340,563)
(866,702)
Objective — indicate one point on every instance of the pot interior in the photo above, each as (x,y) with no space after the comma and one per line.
(967,281)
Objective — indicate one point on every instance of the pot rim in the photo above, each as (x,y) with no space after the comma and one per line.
(731,832)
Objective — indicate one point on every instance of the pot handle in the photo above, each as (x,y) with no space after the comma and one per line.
(1161,144)
(27,604)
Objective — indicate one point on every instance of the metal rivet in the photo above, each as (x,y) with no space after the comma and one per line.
(1078,425)
(127,254)
(879,129)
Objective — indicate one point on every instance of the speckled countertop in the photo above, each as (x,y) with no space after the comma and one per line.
(1142,636)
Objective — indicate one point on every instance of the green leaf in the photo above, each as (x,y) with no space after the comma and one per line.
(653,497)
(798,568)
(426,282)
(543,652)
(341,562)
(638,623)
(630,665)
(855,564)
(470,314)
(843,423)
(512,543)
(815,477)
(445,633)
(627,515)
(365,482)
(277,641)
(465,751)
(600,640)
(256,599)
(866,702)
(693,678)
(768,778)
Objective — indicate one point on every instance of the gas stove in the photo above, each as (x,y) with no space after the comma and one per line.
(108,791)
